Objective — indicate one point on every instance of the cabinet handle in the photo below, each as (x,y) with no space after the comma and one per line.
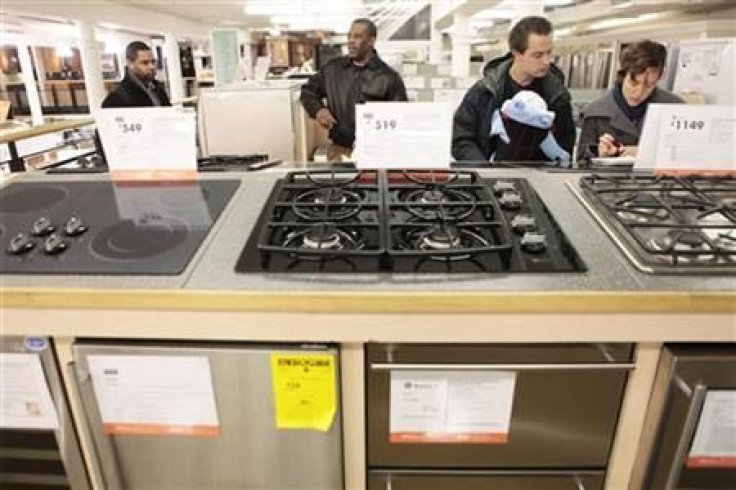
(697,398)
(575,476)
(502,367)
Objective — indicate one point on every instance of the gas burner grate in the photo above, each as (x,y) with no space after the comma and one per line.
(669,224)
(403,221)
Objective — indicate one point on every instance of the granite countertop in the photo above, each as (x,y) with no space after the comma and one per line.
(212,267)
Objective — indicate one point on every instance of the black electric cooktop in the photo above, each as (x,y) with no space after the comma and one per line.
(405,222)
(75,227)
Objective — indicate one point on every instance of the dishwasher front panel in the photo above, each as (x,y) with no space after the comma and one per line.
(564,412)
(690,372)
(251,453)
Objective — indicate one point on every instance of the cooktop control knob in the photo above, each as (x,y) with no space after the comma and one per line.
(54,245)
(503,186)
(510,201)
(74,227)
(20,244)
(534,242)
(42,227)
(523,223)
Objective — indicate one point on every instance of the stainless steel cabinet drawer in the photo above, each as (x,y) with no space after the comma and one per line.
(488,481)
(564,413)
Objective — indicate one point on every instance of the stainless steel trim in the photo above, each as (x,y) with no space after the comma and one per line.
(636,261)
(688,429)
(67,439)
(684,387)
(502,367)
(578,482)
(611,234)
(389,482)
(36,479)
(605,352)
(392,472)
(34,454)
(99,457)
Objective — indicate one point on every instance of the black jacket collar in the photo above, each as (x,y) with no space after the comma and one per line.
(373,64)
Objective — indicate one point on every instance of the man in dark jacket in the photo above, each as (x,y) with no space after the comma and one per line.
(139,88)
(526,67)
(348,80)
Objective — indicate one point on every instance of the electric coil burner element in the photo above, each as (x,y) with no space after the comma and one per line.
(404,222)
(668,224)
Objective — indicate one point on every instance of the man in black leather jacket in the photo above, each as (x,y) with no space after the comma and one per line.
(348,80)
(526,67)
(138,88)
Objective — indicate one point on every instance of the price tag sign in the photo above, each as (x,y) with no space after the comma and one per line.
(148,139)
(403,135)
(688,138)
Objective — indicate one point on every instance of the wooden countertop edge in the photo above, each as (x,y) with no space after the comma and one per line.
(392,302)
(19,134)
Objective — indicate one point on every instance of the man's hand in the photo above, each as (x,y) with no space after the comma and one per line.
(324,118)
(608,146)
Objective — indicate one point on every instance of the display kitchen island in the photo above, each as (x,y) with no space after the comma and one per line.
(610,302)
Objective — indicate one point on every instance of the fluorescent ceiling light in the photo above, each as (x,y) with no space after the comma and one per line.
(286,7)
(624,5)
(558,33)
(481,23)
(621,21)
(494,14)
(333,22)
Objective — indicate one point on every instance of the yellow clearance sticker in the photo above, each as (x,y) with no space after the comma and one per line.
(304,390)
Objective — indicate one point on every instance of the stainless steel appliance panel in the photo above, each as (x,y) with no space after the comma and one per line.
(690,372)
(565,407)
(489,481)
(42,459)
(250,454)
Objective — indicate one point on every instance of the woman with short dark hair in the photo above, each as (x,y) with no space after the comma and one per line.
(612,124)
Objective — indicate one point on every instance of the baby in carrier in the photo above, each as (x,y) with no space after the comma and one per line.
(523,125)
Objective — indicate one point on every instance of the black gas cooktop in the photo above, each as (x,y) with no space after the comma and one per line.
(668,224)
(405,222)
(107,228)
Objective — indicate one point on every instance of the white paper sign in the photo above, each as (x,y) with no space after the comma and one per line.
(688,137)
(450,407)
(714,445)
(403,135)
(148,138)
(26,401)
(170,395)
